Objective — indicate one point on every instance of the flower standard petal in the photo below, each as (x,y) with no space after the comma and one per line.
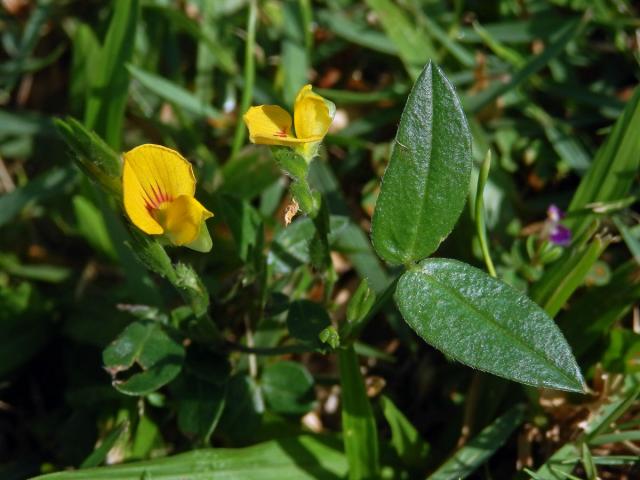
(269,125)
(152,176)
(312,115)
(136,202)
(161,171)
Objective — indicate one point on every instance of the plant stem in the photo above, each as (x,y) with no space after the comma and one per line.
(479,214)
(249,75)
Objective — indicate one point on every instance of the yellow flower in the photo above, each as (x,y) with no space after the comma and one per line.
(312,116)
(158,187)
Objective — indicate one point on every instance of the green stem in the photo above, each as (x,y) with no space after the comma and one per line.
(358,424)
(249,75)
(479,214)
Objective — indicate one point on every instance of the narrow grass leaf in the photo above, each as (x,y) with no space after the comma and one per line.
(39,189)
(356,32)
(108,93)
(405,439)
(99,455)
(174,94)
(564,36)
(295,458)
(470,457)
(414,44)
(358,424)
(566,275)
(614,167)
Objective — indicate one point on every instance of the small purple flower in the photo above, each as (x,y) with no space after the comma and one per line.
(560,235)
(557,233)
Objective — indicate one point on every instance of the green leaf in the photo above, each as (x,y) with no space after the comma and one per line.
(200,405)
(358,424)
(108,92)
(486,324)
(296,458)
(405,439)
(145,344)
(288,388)
(466,460)
(306,320)
(242,415)
(425,186)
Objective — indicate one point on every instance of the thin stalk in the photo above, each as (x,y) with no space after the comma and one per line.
(478,378)
(249,75)
(479,214)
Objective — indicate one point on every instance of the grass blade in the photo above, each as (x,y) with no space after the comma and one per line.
(466,460)
(105,107)
(358,424)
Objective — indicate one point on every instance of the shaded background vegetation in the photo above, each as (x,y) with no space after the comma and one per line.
(542,83)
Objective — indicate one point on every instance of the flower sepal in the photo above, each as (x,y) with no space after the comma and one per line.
(203,242)
(295,166)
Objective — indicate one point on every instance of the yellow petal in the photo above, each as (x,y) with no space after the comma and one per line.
(312,115)
(182,219)
(269,125)
(152,175)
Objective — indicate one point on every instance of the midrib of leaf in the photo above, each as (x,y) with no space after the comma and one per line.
(423,184)
(500,327)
